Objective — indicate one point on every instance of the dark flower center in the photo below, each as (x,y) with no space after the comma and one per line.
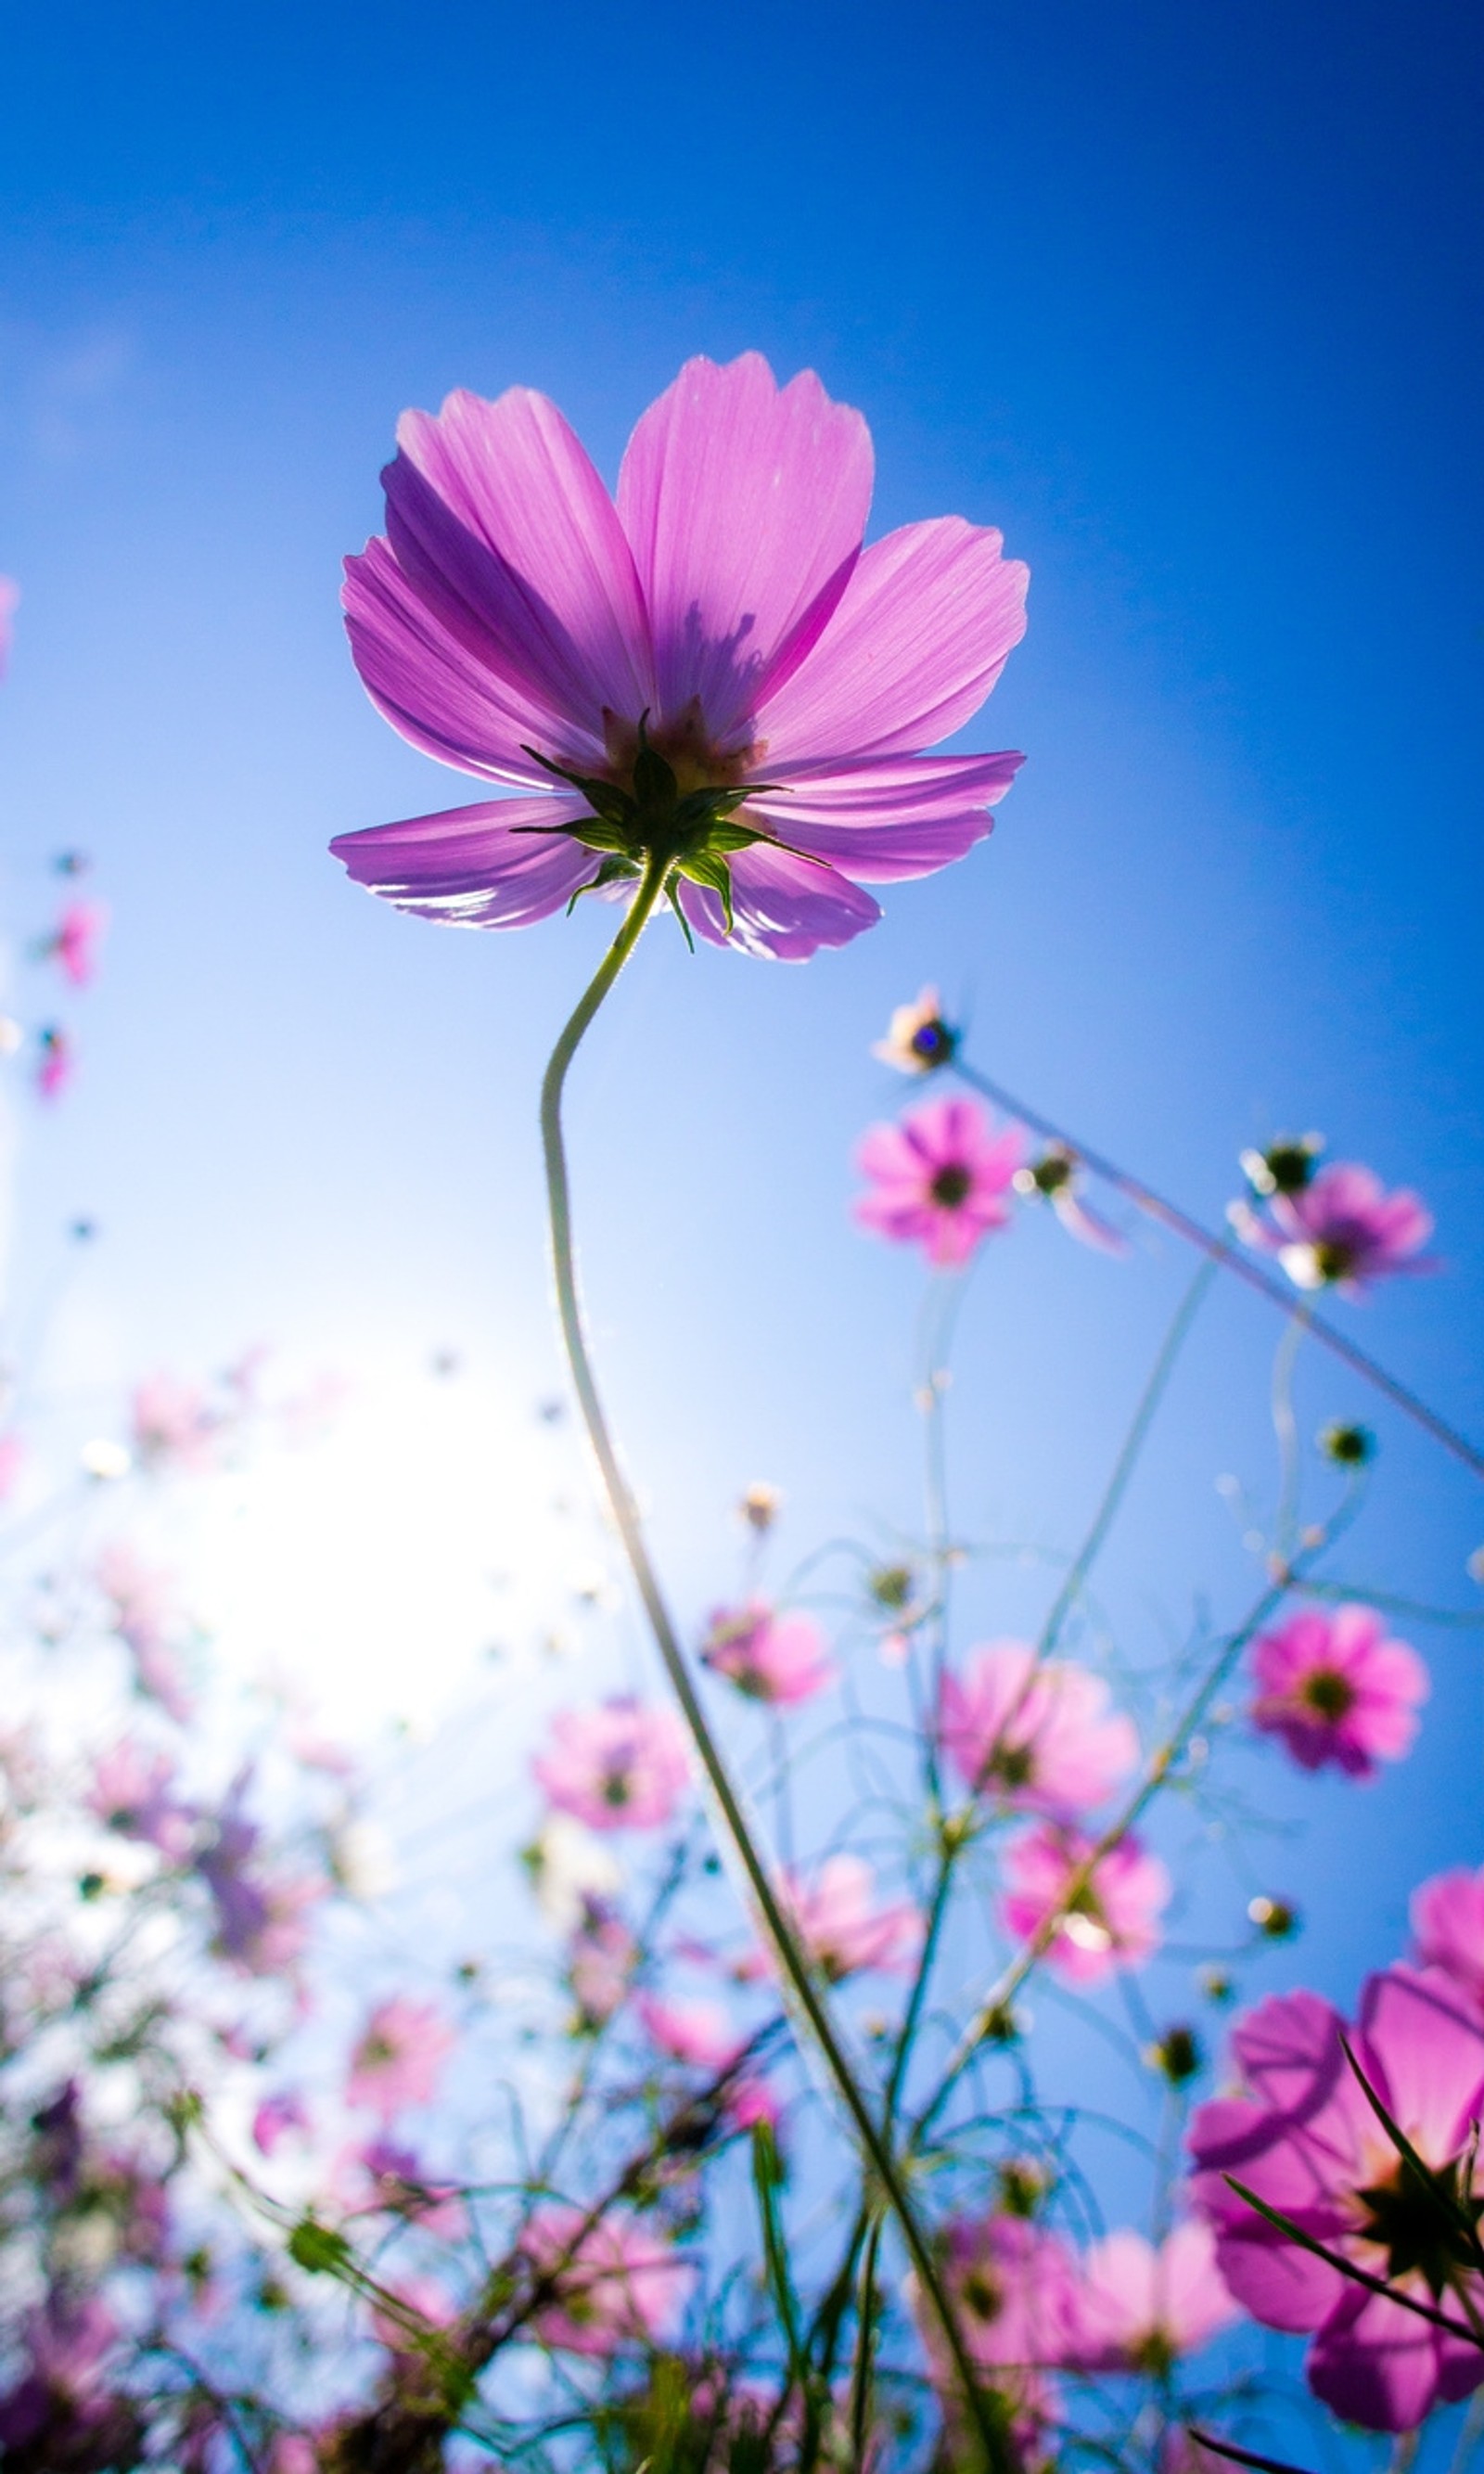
(1327,1693)
(1009,1766)
(617,1789)
(933,1041)
(1422,2220)
(952,1186)
(1335,1259)
(982,2297)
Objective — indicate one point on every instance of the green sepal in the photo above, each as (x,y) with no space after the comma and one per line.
(614,870)
(672,893)
(710,868)
(654,779)
(604,798)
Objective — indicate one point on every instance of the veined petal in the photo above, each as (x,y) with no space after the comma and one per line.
(439,688)
(746,505)
(782,908)
(901,816)
(922,631)
(497,517)
(470,865)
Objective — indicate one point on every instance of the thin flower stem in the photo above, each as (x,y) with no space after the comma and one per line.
(1277,1292)
(810,2010)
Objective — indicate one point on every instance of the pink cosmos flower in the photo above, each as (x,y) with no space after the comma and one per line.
(174,1425)
(1304,2138)
(399,2060)
(1341,1229)
(131,1793)
(1039,1736)
(1447,1925)
(841,1930)
(56,1061)
(1111,1923)
(602,1958)
(73,946)
(697,2032)
(778,1659)
(276,2118)
(1015,2289)
(10,597)
(613,2285)
(617,1765)
(1139,2309)
(385,2176)
(1336,1689)
(941,1178)
(142,1610)
(713,666)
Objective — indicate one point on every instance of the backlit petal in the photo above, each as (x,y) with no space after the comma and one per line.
(470,865)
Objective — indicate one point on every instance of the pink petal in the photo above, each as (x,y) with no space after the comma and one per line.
(902,816)
(1427,2054)
(470,866)
(443,690)
(922,632)
(1376,2364)
(784,908)
(746,505)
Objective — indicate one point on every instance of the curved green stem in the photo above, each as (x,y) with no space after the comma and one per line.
(808,2006)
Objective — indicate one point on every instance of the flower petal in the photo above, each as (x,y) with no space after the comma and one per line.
(901,816)
(498,519)
(746,505)
(923,629)
(438,690)
(784,908)
(471,866)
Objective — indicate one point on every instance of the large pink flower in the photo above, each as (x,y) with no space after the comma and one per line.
(1337,1689)
(1036,1736)
(778,1659)
(1112,1921)
(1340,1229)
(940,1179)
(1306,2141)
(616,1766)
(1139,2309)
(611,2284)
(710,669)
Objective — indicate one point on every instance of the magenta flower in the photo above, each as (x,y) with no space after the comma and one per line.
(1337,1689)
(73,946)
(1015,2289)
(56,1061)
(1140,2308)
(713,668)
(613,2285)
(1306,2140)
(1039,1736)
(840,1928)
(10,597)
(779,1659)
(600,1962)
(941,1178)
(400,2057)
(616,1766)
(697,2032)
(1340,1229)
(1111,1922)
(276,2118)
(1447,1925)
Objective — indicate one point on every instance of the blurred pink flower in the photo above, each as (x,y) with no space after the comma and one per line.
(602,1955)
(142,1610)
(1340,1229)
(1037,1735)
(174,1425)
(1336,1689)
(275,2116)
(613,2285)
(130,1792)
(56,1061)
(1305,2139)
(941,1178)
(698,2032)
(841,1930)
(385,2176)
(1140,2308)
(1112,1922)
(518,624)
(399,2056)
(775,1657)
(615,1766)
(1447,1925)
(73,945)
(10,597)
(1013,2286)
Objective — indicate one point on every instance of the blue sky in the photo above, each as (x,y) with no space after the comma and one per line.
(1186,301)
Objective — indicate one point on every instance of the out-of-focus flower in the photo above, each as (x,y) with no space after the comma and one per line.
(1140,2308)
(142,1612)
(918,1039)
(842,1928)
(714,668)
(1305,2139)
(1113,1921)
(74,942)
(1448,1926)
(276,2116)
(131,1792)
(10,597)
(55,1060)
(1336,1689)
(174,1425)
(262,1918)
(940,1178)
(1036,1736)
(385,2176)
(617,1765)
(1053,1179)
(775,1658)
(760,1507)
(1340,1230)
(399,2056)
(601,1958)
(61,2412)
(1015,2289)
(567,1867)
(614,2284)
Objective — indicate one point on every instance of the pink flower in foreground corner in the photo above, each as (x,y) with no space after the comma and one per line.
(1139,2309)
(1448,1926)
(611,2285)
(710,671)
(1340,1229)
(616,1766)
(1305,2139)
(1337,1689)
(941,1178)
(1112,1921)
(400,2057)
(773,1657)
(1038,1736)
